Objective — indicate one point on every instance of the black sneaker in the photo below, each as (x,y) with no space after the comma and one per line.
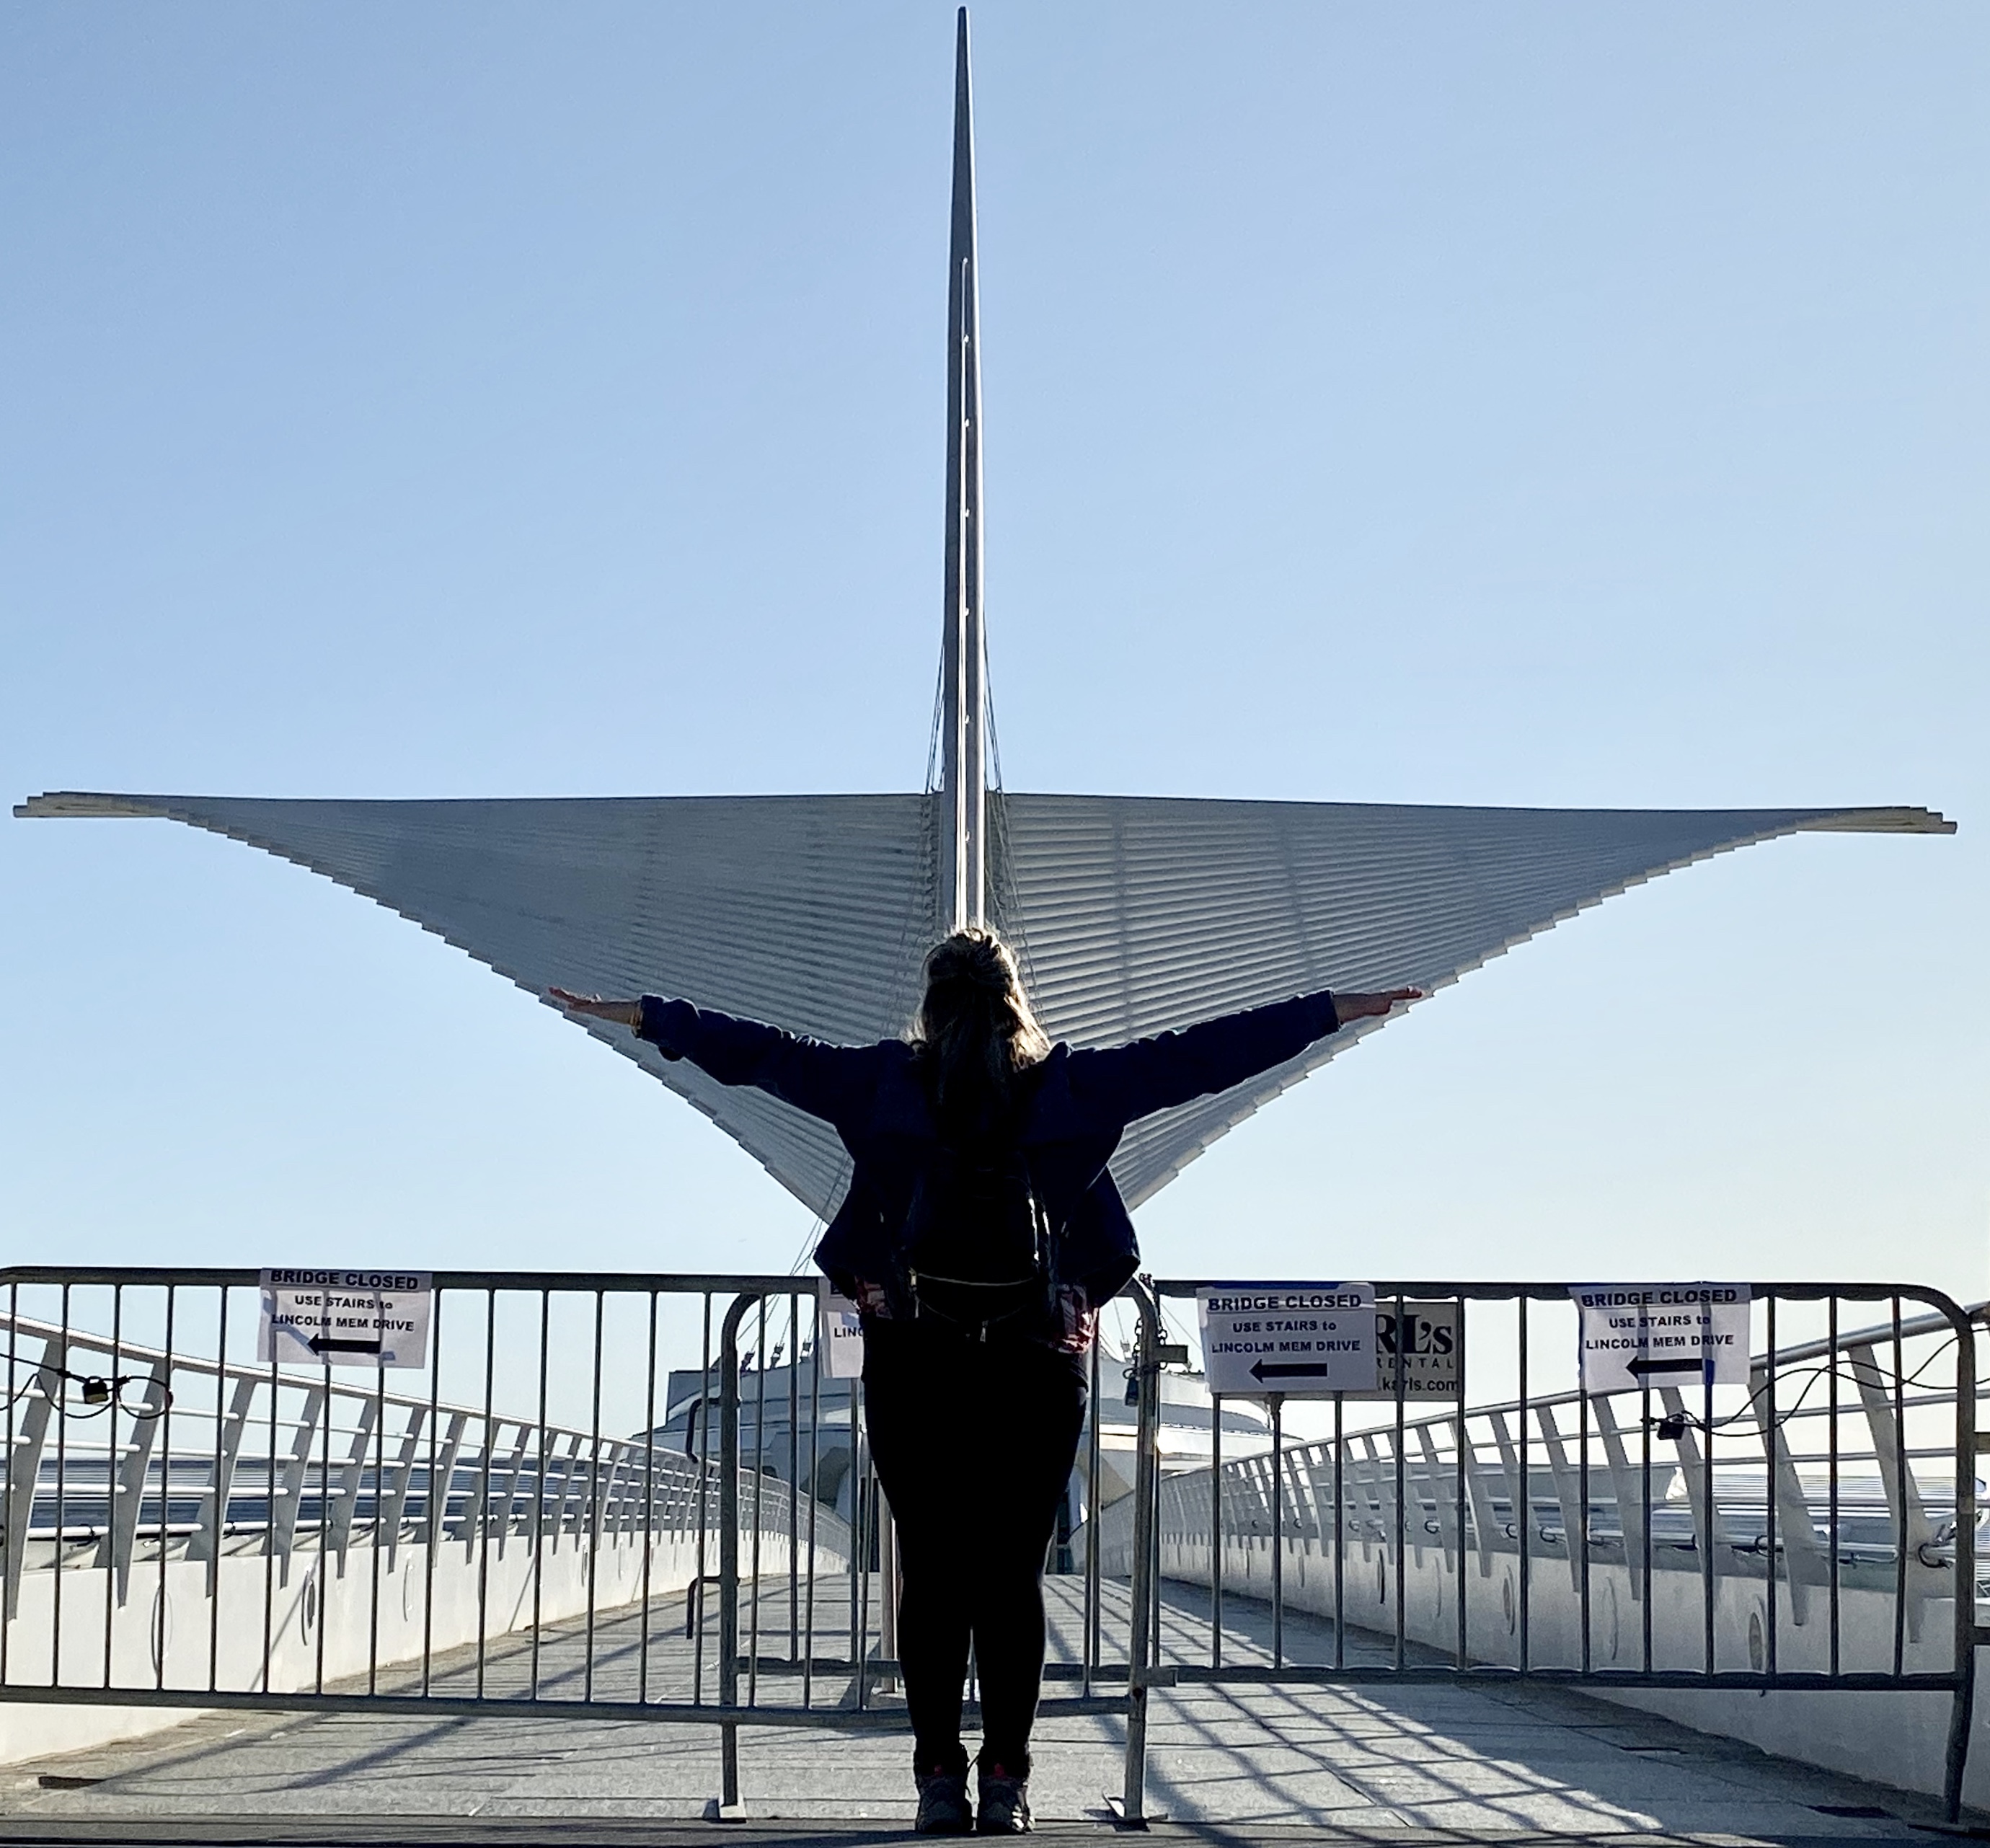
(1005,1803)
(943,1808)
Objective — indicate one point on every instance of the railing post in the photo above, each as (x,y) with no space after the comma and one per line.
(24,1466)
(887,1585)
(1568,1497)
(1911,1526)
(1484,1522)
(212,1523)
(729,1548)
(125,1480)
(1518,1506)
(291,1490)
(1147,1370)
(350,1478)
(442,1483)
(1365,1476)
(1444,1507)
(1706,1532)
(1961,1712)
(1277,1401)
(515,1486)
(1804,1561)
(387,1515)
(569,1489)
(1627,1489)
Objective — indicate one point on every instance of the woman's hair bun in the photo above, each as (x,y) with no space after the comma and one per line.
(975,1026)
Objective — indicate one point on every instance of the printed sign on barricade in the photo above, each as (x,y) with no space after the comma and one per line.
(1636,1335)
(842,1337)
(345,1318)
(1307,1341)
(1432,1341)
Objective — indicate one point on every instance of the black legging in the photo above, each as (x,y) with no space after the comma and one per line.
(974,1443)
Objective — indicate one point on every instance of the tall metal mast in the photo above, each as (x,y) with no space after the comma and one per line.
(964,789)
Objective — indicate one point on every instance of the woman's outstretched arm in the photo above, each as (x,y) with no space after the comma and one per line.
(826,1081)
(1124,1083)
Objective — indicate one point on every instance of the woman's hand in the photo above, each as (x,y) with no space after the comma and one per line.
(1366,1007)
(623,1014)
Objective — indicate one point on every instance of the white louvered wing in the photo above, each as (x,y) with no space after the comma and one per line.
(1133,915)
(811,911)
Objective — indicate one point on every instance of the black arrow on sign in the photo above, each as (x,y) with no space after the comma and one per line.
(323,1344)
(1260,1372)
(1645,1364)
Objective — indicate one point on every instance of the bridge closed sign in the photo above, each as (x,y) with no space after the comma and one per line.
(345,1318)
(1309,1340)
(842,1339)
(1645,1335)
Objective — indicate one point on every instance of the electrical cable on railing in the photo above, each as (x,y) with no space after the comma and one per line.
(99,1394)
(1675,1425)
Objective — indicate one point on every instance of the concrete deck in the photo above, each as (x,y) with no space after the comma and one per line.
(1407,1764)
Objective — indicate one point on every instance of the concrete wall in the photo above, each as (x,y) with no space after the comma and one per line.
(1895,1739)
(336,1612)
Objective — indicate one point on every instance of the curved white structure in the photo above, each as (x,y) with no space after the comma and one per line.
(1131,916)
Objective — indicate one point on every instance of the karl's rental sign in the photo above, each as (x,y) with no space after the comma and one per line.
(1427,1341)
(345,1318)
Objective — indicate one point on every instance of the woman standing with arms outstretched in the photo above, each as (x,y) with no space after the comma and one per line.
(979,1236)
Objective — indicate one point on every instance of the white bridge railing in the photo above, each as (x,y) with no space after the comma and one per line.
(181,1528)
(1729,1554)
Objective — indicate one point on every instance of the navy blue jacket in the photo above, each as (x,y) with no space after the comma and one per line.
(873,1098)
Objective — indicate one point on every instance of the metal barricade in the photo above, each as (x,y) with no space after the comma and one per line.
(508,1529)
(1815,1529)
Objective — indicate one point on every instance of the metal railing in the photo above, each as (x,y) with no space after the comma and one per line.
(625,1495)
(548,1515)
(336,1538)
(1796,1532)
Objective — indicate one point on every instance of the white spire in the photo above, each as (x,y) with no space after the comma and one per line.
(963,779)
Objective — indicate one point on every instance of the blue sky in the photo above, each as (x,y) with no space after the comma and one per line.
(1535,404)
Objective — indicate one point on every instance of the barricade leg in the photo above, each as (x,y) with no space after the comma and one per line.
(1147,1369)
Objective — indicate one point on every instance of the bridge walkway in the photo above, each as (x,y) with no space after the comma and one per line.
(1385,1763)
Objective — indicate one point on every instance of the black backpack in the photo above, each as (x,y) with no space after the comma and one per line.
(977,1246)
